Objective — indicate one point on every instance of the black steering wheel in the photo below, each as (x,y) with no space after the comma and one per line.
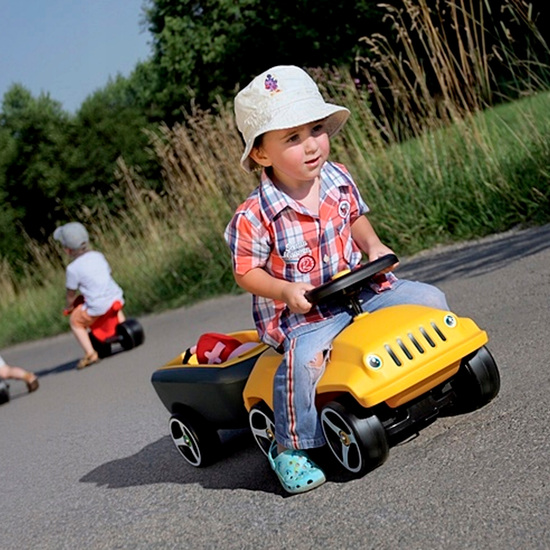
(350,284)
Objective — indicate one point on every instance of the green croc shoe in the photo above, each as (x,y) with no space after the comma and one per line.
(296,472)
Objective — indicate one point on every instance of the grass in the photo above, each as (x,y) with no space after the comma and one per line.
(454,169)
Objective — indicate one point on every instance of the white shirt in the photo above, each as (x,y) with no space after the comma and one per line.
(91,275)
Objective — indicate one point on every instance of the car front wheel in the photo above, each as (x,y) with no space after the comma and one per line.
(477,381)
(261,422)
(359,444)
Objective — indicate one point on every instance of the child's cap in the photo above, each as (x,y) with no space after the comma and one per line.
(72,235)
(279,98)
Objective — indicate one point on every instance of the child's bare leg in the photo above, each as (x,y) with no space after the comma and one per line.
(120,316)
(80,321)
(13,373)
(82,337)
(18,373)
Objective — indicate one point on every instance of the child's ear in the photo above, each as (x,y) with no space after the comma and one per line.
(257,154)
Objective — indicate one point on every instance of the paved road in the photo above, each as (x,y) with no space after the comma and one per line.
(87,462)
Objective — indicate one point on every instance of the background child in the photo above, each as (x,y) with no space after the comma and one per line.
(18,373)
(90,274)
(304,224)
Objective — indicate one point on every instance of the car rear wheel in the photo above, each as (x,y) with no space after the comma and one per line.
(197,442)
(477,381)
(103,348)
(359,444)
(131,333)
(262,425)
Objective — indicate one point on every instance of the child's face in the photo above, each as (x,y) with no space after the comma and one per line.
(295,154)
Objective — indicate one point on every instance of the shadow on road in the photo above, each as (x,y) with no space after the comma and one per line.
(483,256)
(70,365)
(242,466)
(57,369)
(160,462)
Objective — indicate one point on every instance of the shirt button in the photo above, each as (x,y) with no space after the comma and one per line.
(326,258)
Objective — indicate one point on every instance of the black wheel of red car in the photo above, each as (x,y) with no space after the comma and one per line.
(4,392)
(359,444)
(130,333)
(262,425)
(477,381)
(196,440)
(103,349)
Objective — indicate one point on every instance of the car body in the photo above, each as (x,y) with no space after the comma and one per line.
(391,373)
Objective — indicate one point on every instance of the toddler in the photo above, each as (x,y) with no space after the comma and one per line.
(89,274)
(302,225)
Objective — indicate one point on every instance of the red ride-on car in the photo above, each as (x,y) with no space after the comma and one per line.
(107,332)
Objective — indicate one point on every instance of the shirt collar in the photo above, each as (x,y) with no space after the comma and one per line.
(273,201)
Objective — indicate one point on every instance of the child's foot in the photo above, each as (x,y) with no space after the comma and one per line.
(32,382)
(88,360)
(295,470)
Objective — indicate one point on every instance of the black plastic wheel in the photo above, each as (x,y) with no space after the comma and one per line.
(477,381)
(262,425)
(197,441)
(130,333)
(103,348)
(359,444)
(4,392)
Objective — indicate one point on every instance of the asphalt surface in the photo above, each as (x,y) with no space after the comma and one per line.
(87,462)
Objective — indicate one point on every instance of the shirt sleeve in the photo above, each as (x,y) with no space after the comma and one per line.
(359,206)
(71,278)
(248,241)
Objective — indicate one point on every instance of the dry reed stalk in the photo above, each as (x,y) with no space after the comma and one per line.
(7,287)
(460,77)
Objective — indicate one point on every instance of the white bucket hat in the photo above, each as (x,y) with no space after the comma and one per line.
(72,235)
(279,98)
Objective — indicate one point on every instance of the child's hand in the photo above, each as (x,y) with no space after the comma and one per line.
(379,251)
(293,296)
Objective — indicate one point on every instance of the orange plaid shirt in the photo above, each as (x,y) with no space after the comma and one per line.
(273,232)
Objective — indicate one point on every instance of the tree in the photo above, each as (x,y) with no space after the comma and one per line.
(109,124)
(33,135)
(9,234)
(204,48)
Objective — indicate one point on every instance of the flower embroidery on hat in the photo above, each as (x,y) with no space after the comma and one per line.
(271,84)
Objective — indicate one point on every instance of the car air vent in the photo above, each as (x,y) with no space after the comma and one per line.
(412,344)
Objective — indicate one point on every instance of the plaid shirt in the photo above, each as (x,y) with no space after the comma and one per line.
(273,232)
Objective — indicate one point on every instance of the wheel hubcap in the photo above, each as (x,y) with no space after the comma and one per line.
(344,438)
(184,442)
(262,428)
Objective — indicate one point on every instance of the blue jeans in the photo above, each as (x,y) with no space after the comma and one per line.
(297,423)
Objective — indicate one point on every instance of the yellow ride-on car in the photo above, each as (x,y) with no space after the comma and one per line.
(391,373)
